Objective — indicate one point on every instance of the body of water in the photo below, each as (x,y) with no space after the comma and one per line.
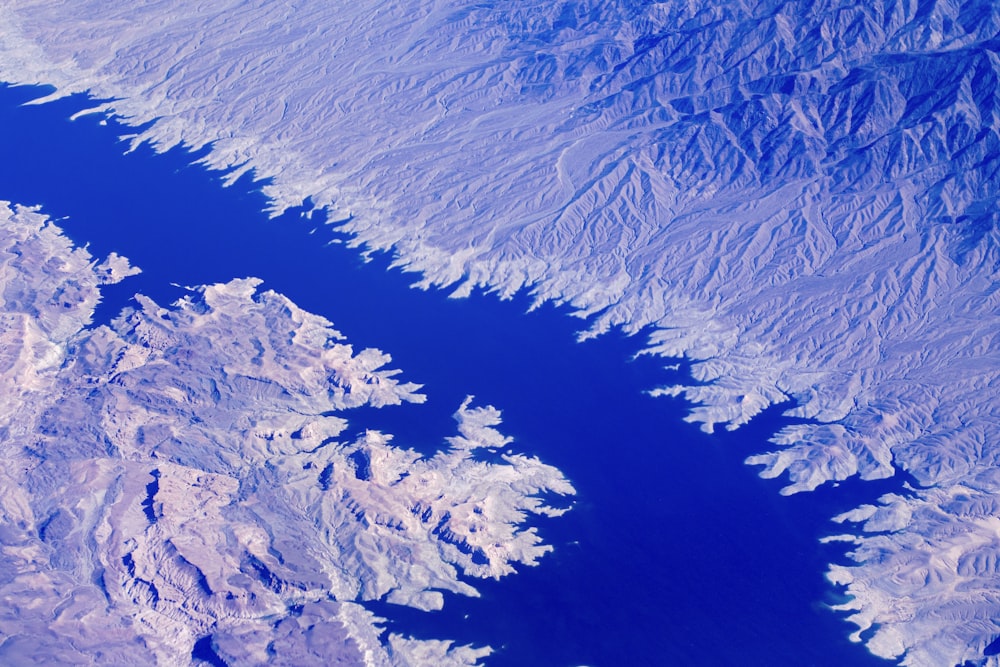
(675,552)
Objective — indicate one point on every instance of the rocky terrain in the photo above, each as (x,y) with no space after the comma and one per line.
(181,479)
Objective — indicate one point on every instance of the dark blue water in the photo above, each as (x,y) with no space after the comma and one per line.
(675,553)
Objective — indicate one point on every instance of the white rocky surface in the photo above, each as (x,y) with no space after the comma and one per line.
(801,197)
(179,476)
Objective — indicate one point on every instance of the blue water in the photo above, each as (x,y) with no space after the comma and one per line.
(675,552)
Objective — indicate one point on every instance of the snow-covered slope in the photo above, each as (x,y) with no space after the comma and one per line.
(178,477)
(801,197)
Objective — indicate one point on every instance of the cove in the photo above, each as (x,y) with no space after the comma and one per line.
(675,553)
